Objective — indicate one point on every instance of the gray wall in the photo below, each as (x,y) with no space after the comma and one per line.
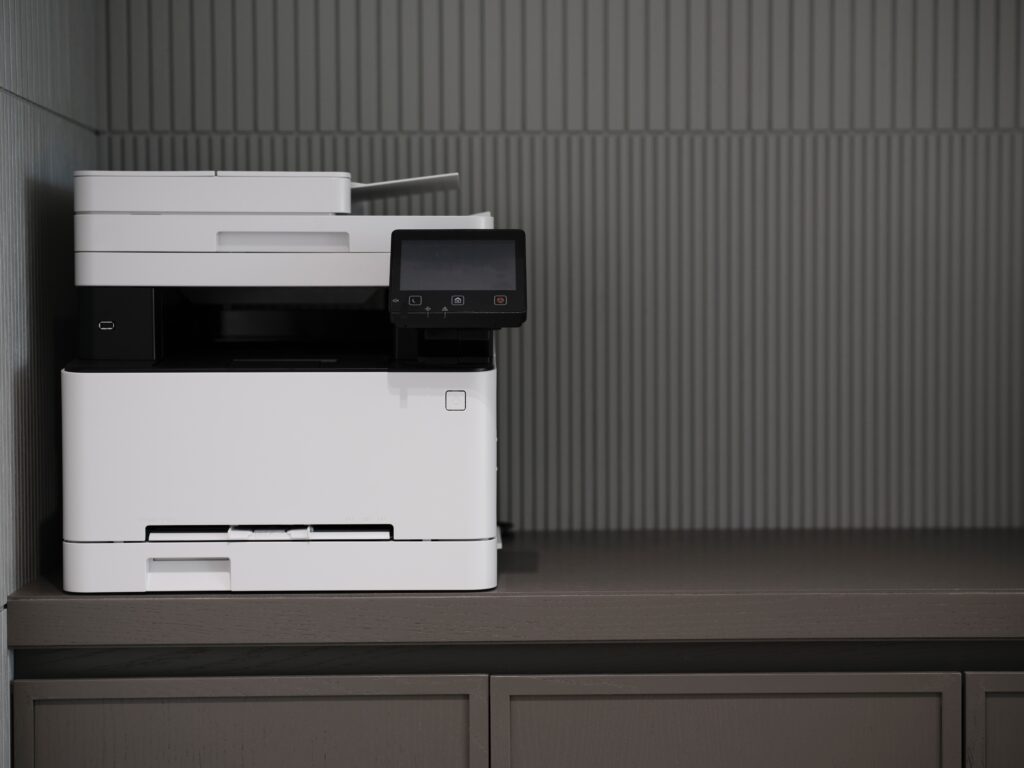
(48,122)
(775,246)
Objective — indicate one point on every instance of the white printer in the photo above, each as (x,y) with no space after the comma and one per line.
(273,394)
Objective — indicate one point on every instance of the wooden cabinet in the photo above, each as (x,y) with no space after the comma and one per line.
(729,720)
(716,650)
(994,735)
(249,721)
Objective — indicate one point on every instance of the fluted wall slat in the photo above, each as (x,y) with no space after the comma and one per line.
(38,153)
(48,53)
(750,330)
(775,245)
(51,101)
(5,701)
(525,65)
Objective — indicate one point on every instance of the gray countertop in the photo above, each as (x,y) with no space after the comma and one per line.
(590,588)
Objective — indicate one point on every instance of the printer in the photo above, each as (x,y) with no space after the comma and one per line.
(274,393)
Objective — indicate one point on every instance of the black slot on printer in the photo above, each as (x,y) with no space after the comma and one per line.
(458,278)
(117,324)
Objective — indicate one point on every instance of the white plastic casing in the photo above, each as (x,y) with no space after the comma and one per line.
(211,192)
(283,449)
(244,250)
(299,566)
(280,449)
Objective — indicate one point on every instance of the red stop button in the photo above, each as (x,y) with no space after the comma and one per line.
(500,300)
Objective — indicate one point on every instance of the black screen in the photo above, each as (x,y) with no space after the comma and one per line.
(464,265)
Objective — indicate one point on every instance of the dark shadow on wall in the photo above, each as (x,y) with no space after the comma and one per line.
(50,313)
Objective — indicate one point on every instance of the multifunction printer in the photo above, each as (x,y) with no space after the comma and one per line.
(274,394)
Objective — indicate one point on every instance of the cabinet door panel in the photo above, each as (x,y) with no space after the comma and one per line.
(995,719)
(878,720)
(293,721)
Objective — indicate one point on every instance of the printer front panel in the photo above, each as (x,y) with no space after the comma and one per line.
(413,450)
(128,328)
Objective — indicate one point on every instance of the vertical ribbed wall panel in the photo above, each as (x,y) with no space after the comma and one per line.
(48,55)
(39,151)
(775,245)
(5,701)
(49,66)
(554,65)
(734,330)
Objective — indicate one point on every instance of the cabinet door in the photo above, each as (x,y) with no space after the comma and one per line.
(727,721)
(277,721)
(995,719)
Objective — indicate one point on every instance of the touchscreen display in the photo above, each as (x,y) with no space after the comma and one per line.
(463,265)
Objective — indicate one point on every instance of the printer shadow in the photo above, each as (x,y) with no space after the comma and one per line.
(39,348)
(518,561)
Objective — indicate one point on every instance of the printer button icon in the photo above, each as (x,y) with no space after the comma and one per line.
(455,400)
(415,301)
(458,301)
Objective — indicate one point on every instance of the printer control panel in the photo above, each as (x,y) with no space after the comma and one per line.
(458,278)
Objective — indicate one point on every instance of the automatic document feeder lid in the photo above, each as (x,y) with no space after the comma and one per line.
(211,192)
(238,192)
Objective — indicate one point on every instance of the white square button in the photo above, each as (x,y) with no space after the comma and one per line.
(455,400)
